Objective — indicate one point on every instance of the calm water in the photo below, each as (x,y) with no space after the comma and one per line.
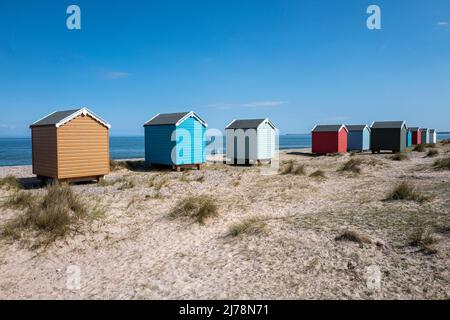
(17,151)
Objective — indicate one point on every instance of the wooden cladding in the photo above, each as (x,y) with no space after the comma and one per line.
(77,149)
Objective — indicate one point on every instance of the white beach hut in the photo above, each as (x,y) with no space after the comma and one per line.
(250,141)
(433,136)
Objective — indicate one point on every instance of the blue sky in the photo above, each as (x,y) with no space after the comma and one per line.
(297,62)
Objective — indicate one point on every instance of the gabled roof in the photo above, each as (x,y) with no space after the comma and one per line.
(248,124)
(388,125)
(329,128)
(424,129)
(162,119)
(359,127)
(415,129)
(59,118)
(432,130)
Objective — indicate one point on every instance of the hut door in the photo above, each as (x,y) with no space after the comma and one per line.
(235,150)
(247,149)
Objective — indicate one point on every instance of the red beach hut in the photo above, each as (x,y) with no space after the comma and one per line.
(416,136)
(329,139)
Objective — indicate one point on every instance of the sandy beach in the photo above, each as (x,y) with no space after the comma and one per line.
(136,249)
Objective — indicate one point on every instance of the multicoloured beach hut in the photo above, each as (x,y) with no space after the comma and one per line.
(329,139)
(433,136)
(388,135)
(425,135)
(358,137)
(416,136)
(70,145)
(250,141)
(175,139)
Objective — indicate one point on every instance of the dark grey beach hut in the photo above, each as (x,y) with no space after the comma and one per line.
(388,135)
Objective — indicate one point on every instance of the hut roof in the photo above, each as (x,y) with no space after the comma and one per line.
(388,124)
(357,127)
(329,128)
(248,124)
(176,119)
(59,118)
(415,129)
(432,130)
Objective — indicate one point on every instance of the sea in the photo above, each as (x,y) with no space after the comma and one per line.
(17,151)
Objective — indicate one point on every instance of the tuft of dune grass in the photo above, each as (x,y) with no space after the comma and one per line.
(10,182)
(352,165)
(51,216)
(421,237)
(198,208)
(442,164)
(405,191)
(248,226)
(352,236)
(318,174)
(400,156)
(419,148)
(290,167)
(432,153)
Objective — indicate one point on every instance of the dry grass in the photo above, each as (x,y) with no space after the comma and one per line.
(116,165)
(318,174)
(352,165)
(430,145)
(442,164)
(248,226)
(404,191)
(199,208)
(10,182)
(400,156)
(445,142)
(432,153)
(128,184)
(352,236)
(291,167)
(421,237)
(51,216)
(19,200)
(419,148)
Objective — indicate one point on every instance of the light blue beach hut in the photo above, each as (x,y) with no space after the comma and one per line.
(409,138)
(176,139)
(358,137)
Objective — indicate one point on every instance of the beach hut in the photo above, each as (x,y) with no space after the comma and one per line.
(416,135)
(388,135)
(175,139)
(358,137)
(70,145)
(433,136)
(250,141)
(425,135)
(408,138)
(329,139)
